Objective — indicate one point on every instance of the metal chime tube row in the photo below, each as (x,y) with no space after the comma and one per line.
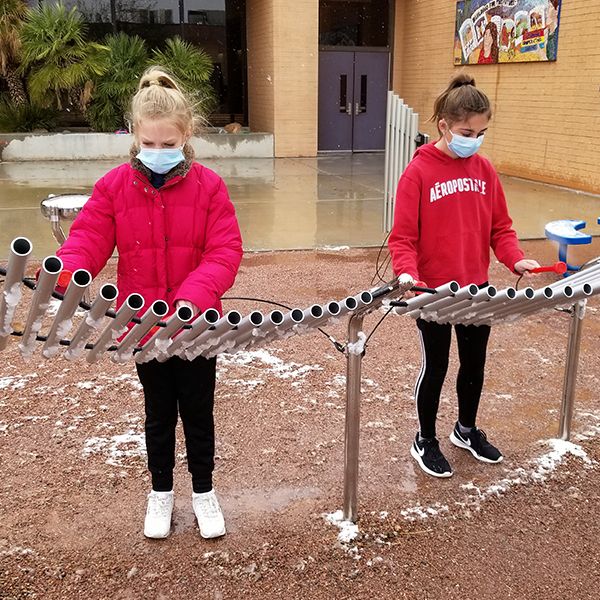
(20,249)
(274,319)
(429,311)
(92,322)
(502,298)
(285,329)
(540,297)
(442,291)
(63,320)
(157,310)
(117,326)
(51,268)
(230,339)
(160,341)
(479,300)
(483,313)
(566,297)
(185,339)
(212,335)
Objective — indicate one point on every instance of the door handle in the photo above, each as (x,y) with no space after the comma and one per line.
(361,107)
(349,108)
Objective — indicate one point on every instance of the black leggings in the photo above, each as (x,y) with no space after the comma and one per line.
(187,388)
(435,344)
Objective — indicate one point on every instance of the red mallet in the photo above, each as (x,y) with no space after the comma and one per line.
(559,267)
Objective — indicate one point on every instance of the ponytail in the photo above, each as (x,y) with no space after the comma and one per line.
(459,100)
(159,96)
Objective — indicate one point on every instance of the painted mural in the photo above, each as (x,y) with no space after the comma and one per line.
(503,31)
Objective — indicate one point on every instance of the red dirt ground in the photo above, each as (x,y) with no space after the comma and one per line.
(72,500)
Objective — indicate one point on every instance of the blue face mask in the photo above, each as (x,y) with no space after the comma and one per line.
(161,160)
(464,146)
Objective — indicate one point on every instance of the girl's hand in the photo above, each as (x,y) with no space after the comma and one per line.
(195,310)
(525,265)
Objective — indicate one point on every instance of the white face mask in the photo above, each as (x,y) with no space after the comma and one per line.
(161,160)
(464,146)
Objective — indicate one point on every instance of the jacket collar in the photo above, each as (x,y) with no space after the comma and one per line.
(180,170)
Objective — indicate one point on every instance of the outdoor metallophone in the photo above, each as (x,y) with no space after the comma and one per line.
(122,332)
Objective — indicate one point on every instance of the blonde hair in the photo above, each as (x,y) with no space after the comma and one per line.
(160,97)
(459,100)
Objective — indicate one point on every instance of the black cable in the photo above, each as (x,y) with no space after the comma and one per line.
(389,310)
(378,274)
(519,281)
(338,346)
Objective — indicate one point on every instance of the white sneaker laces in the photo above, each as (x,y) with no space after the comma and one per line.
(208,507)
(159,506)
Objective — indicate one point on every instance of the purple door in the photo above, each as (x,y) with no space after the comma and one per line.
(336,95)
(370,100)
(352,100)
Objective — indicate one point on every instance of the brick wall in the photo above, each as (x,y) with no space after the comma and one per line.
(283,72)
(546,115)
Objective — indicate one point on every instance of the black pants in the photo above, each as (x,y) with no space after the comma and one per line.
(435,344)
(186,388)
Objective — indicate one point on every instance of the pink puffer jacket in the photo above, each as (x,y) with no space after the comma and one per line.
(180,242)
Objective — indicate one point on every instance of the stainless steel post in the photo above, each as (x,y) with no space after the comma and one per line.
(352,434)
(571,364)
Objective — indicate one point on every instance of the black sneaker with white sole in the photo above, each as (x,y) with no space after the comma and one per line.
(428,455)
(477,444)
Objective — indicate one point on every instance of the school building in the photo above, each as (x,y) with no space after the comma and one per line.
(300,52)
(315,73)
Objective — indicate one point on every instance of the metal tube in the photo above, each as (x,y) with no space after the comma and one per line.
(442,291)
(161,340)
(230,339)
(482,316)
(107,295)
(352,429)
(51,268)
(63,321)
(481,298)
(211,336)
(273,320)
(571,365)
(502,298)
(436,304)
(20,249)
(117,326)
(157,310)
(185,339)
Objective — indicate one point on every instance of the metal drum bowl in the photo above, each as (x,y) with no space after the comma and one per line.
(63,206)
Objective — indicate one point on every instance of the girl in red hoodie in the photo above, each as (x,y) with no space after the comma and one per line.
(178,240)
(450,209)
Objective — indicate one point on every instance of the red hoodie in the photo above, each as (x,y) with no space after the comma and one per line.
(449,211)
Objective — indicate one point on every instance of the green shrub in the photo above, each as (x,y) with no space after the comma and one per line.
(25,117)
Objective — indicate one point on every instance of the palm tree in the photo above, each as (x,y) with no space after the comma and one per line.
(114,89)
(12,13)
(56,55)
(192,67)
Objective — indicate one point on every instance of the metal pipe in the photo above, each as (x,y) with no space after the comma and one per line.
(20,249)
(63,320)
(107,295)
(482,316)
(442,291)
(51,268)
(117,326)
(481,298)
(157,310)
(230,339)
(269,325)
(436,304)
(211,336)
(502,298)
(352,425)
(571,365)
(185,339)
(160,341)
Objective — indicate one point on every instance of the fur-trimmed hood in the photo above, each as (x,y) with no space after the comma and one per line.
(181,169)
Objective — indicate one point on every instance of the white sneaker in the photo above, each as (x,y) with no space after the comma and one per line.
(209,515)
(158,514)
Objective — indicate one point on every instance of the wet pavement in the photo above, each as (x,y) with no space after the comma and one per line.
(286,203)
